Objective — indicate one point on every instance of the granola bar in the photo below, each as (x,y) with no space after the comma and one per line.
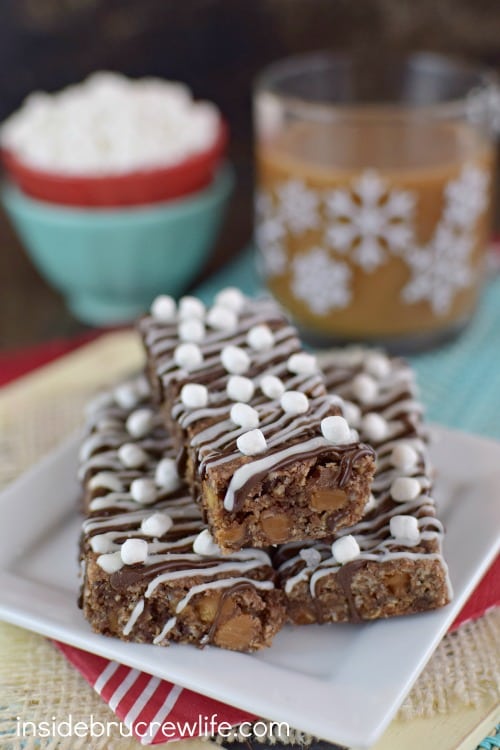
(259,440)
(391,562)
(151,571)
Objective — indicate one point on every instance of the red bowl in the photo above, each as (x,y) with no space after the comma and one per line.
(127,189)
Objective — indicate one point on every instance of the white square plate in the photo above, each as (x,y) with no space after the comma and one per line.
(343,683)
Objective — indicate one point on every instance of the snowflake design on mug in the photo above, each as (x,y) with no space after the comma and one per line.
(320,281)
(466,198)
(439,270)
(298,206)
(442,268)
(370,220)
(269,235)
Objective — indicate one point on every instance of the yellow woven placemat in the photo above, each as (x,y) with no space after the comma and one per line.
(36,682)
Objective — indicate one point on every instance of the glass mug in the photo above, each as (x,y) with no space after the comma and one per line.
(374,193)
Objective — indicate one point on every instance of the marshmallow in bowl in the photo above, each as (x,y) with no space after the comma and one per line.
(109,124)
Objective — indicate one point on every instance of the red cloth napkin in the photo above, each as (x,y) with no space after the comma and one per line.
(153,710)
(156,710)
(18,362)
(485,596)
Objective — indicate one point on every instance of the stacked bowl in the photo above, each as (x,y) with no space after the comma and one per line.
(117,189)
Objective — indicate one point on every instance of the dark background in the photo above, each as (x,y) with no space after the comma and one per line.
(217,47)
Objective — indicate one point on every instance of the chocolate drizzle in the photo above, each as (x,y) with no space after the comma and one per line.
(345,576)
(134,574)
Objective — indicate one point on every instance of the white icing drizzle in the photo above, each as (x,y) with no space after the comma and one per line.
(303,575)
(262,585)
(136,613)
(218,567)
(169,625)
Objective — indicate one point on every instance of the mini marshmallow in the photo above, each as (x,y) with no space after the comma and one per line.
(92,443)
(191,307)
(352,413)
(404,457)
(126,395)
(244,416)
(188,356)
(143,491)
(260,338)
(365,388)
(405,529)
(101,544)
(222,318)
(106,480)
(194,396)
(251,443)
(294,402)
(156,525)
(311,556)
(235,359)
(374,426)
(345,549)
(134,551)
(166,475)
(140,422)
(336,430)
(191,329)
(132,456)
(240,388)
(272,387)
(109,124)
(164,309)
(230,297)
(377,365)
(404,489)
(302,364)
(204,545)
(111,562)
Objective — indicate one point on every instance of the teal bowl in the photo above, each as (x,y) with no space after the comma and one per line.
(110,263)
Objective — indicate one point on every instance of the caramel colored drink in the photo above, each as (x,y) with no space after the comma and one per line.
(372,224)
